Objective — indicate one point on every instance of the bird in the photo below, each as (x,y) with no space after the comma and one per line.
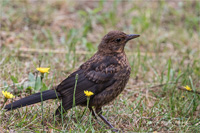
(105,74)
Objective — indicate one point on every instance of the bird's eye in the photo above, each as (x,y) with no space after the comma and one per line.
(118,40)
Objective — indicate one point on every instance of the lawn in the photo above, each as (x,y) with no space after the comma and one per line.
(63,34)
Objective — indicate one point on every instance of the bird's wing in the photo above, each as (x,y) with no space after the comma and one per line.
(94,77)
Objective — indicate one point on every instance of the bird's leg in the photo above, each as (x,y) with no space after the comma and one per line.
(93,114)
(58,111)
(99,112)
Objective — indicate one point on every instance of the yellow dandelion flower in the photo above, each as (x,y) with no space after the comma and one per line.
(187,88)
(183,97)
(43,69)
(88,93)
(8,95)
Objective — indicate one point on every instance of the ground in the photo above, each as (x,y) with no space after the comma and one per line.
(63,34)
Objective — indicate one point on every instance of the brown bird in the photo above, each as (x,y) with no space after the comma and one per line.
(105,74)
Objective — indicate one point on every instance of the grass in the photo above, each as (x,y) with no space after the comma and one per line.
(164,57)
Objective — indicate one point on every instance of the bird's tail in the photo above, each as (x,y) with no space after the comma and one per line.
(35,98)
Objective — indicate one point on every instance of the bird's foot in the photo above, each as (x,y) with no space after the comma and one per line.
(115,130)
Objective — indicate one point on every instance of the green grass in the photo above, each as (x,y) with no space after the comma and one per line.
(167,53)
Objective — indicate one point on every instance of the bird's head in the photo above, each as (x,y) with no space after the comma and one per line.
(114,42)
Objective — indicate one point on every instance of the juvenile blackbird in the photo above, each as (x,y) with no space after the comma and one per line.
(105,74)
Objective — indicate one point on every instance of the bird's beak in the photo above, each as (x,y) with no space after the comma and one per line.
(132,36)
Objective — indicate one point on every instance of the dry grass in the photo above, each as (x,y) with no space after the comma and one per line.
(166,53)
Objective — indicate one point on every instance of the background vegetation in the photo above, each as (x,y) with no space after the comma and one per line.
(63,34)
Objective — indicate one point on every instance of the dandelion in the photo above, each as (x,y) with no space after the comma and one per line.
(43,69)
(8,95)
(183,97)
(188,88)
(88,93)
